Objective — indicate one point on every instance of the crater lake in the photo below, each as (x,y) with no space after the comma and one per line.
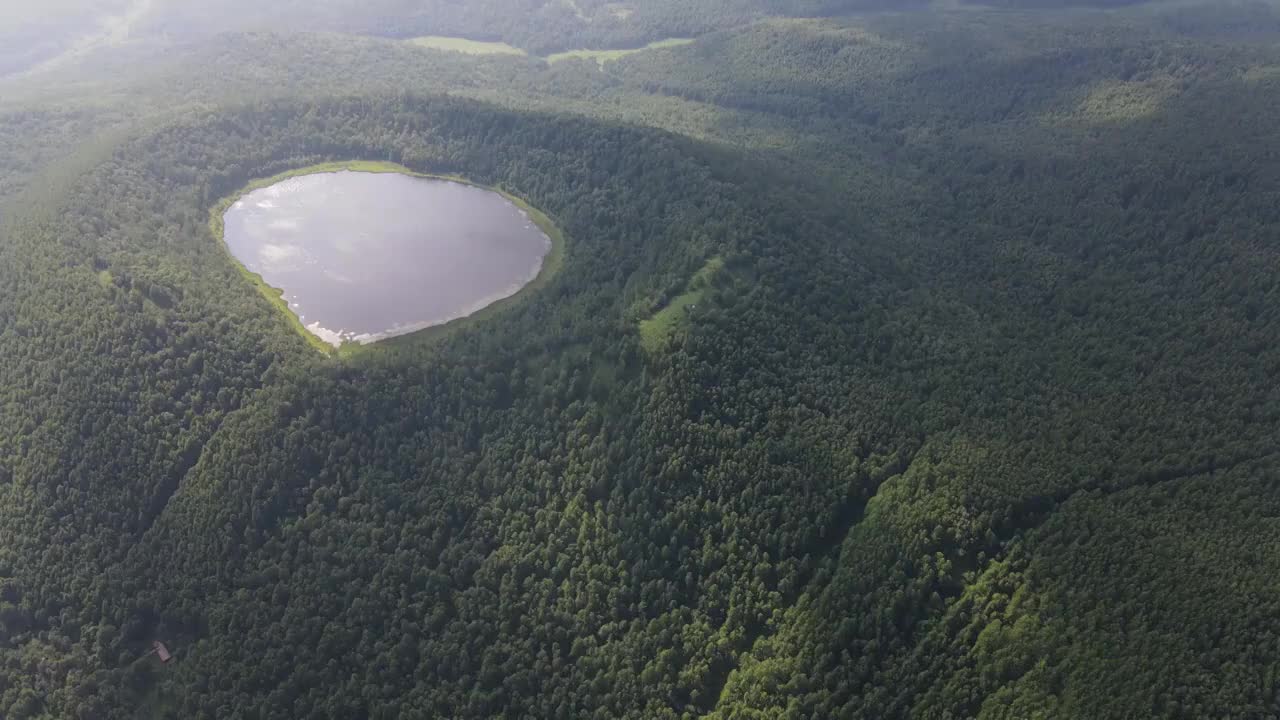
(363,256)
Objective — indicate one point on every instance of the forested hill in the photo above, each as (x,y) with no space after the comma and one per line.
(61,30)
(974,415)
(611,495)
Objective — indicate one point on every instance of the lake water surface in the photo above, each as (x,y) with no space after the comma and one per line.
(365,256)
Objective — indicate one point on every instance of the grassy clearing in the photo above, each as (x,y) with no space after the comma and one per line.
(463,45)
(604,56)
(476,47)
(551,264)
(655,331)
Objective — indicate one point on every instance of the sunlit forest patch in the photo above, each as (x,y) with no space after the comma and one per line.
(1118,101)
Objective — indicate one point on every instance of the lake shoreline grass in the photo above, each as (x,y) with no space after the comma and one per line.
(552,262)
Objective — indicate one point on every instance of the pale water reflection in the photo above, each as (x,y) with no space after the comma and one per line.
(365,256)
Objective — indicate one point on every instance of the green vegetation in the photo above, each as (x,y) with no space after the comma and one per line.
(603,56)
(977,420)
(655,330)
(462,45)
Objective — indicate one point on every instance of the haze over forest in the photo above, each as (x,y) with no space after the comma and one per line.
(892,359)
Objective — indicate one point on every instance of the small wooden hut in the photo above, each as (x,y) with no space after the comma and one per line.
(161,651)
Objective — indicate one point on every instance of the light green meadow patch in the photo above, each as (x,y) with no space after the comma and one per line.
(463,45)
(603,56)
(1262,73)
(657,329)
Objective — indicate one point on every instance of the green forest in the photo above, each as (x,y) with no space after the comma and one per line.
(903,360)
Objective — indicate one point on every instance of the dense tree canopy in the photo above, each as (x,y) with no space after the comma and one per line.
(975,416)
